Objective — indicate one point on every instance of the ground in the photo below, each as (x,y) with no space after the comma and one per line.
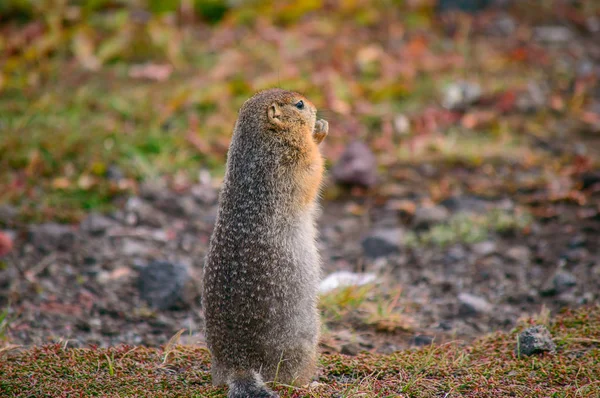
(463,170)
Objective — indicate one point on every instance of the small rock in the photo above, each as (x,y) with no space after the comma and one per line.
(484,248)
(344,279)
(96,224)
(51,236)
(422,340)
(204,194)
(560,283)
(473,305)
(114,173)
(553,34)
(460,95)
(469,204)
(145,213)
(533,99)
(356,166)
(519,254)
(133,247)
(8,214)
(383,242)
(387,349)
(351,349)
(427,216)
(161,284)
(535,340)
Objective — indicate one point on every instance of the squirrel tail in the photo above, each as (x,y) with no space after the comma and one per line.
(248,384)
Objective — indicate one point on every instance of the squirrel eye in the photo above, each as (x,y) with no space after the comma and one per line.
(300,104)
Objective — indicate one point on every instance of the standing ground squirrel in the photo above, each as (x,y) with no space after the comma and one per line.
(262,270)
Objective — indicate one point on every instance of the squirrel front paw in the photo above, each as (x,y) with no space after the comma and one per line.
(321,130)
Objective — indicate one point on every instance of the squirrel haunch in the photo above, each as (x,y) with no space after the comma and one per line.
(262,270)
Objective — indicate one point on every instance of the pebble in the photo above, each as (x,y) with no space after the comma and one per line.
(52,236)
(460,95)
(427,216)
(534,340)
(484,248)
(356,166)
(559,283)
(96,224)
(471,304)
(553,34)
(382,242)
(422,340)
(351,349)
(161,284)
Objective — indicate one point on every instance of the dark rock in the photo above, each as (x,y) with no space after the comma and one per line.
(114,173)
(422,340)
(8,214)
(96,224)
(470,6)
(51,236)
(465,203)
(535,340)
(559,283)
(356,166)
(473,305)
(351,349)
(427,216)
(387,349)
(382,242)
(161,284)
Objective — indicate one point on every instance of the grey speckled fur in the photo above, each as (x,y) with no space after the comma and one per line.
(262,270)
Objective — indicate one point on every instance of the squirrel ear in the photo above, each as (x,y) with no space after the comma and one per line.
(274,113)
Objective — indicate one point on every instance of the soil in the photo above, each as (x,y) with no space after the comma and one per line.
(94,283)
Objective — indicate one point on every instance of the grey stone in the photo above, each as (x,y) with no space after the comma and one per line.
(161,284)
(534,340)
(204,194)
(461,95)
(8,214)
(114,173)
(351,349)
(356,166)
(559,283)
(484,248)
(553,34)
(422,340)
(382,242)
(473,305)
(96,224)
(52,236)
(533,99)
(144,213)
(427,216)
(520,254)
(134,247)
(468,204)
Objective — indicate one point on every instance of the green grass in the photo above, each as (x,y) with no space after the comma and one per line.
(487,368)
(470,228)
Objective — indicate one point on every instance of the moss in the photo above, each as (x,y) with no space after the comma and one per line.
(488,368)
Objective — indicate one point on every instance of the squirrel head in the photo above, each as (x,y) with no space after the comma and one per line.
(280,116)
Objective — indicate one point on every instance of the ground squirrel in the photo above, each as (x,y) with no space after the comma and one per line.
(262,270)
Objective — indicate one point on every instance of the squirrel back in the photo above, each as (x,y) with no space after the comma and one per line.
(262,270)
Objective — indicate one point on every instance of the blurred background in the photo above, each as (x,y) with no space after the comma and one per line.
(463,184)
